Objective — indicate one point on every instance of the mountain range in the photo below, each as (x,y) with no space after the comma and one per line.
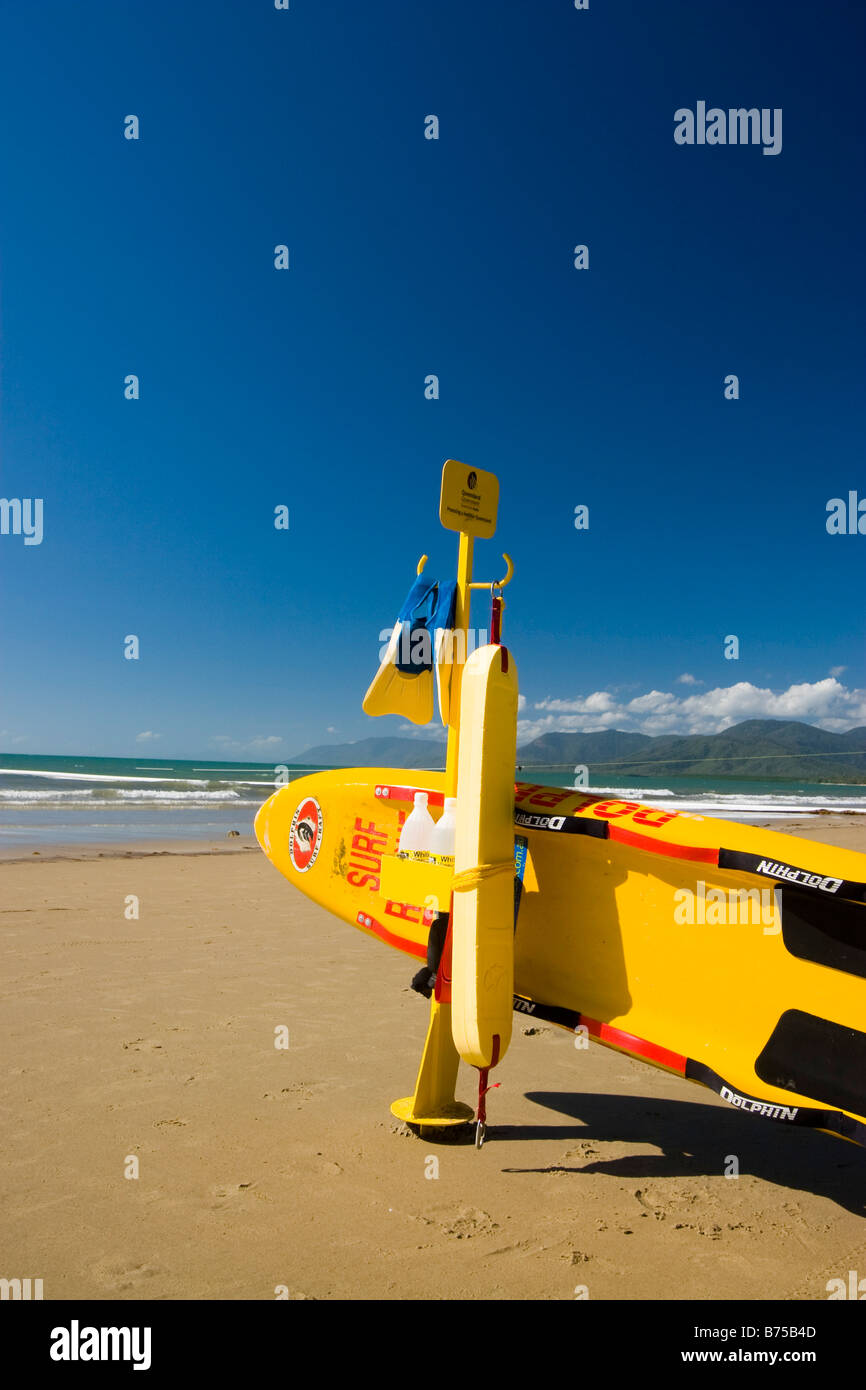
(757,748)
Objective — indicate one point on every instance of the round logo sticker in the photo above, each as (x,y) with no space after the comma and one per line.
(305,835)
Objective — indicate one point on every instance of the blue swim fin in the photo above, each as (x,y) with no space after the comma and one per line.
(444,654)
(403,683)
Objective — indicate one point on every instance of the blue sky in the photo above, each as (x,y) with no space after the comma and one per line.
(408,257)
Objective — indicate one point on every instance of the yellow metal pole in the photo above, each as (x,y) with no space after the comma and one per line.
(432,1102)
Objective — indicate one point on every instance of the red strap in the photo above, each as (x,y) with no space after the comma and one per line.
(483,1088)
(496,619)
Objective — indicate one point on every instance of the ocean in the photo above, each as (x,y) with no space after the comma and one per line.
(60,800)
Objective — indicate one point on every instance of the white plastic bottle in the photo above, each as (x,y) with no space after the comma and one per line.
(417,832)
(441,844)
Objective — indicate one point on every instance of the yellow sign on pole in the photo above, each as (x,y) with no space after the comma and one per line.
(469,499)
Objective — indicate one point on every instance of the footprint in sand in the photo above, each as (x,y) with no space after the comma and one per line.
(118,1275)
(298,1091)
(652,1205)
(583,1150)
(471,1221)
(226,1193)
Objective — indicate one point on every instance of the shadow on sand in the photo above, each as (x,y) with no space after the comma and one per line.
(695,1140)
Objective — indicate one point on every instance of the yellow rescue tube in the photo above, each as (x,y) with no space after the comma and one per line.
(482,922)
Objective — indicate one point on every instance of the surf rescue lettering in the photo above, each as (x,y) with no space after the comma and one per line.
(365,855)
(550,797)
(407,913)
(641,815)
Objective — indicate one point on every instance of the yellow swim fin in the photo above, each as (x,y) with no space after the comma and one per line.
(394,691)
(403,683)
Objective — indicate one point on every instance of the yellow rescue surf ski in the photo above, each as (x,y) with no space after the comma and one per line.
(727,954)
(483,904)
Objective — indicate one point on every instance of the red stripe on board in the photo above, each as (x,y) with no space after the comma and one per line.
(631,837)
(412,948)
(639,1046)
(388,793)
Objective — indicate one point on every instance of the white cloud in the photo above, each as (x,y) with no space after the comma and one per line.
(600,703)
(686,679)
(825,703)
(837,670)
(330,729)
(432,731)
(147,737)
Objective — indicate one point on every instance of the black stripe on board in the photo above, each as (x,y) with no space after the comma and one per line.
(548,1013)
(566,825)
(817,1058)
(833,1120)
(846,1126)
(789,875)
(827,932)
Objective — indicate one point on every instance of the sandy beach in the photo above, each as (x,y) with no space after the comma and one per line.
(263,1170)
